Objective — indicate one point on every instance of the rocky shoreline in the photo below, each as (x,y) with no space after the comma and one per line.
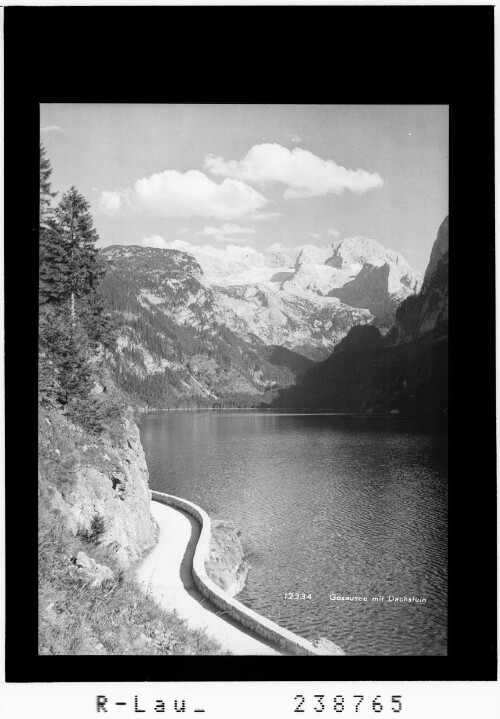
(227,565)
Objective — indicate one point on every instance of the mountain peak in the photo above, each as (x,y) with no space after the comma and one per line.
(379,288)
(355,251)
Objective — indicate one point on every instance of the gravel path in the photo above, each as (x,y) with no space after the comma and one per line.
(166,574)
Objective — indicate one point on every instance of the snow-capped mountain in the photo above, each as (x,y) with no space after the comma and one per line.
(380,289)
(235,265)
(174,283)
(205,318)
(175,346)
(360,272)
(310,326)
(405,371)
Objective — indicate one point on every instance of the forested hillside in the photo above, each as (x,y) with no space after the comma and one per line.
(94,516)
(172,348)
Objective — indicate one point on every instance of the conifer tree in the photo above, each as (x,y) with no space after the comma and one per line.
(75,227)
(66,349)
(49,389)
(54,268)
(46,193)
(49,250)
(73,321)
(71,271)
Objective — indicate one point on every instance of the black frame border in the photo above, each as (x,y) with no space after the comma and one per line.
(372,55)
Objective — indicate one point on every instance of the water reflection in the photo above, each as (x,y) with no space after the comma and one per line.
(326,503)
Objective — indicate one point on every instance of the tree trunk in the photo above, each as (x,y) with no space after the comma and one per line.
(71,244)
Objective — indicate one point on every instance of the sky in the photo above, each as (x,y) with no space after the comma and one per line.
(255,175)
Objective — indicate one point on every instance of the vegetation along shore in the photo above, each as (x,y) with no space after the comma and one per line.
(94,517)
(127,328)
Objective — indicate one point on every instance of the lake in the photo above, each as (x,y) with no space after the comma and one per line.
(327,505)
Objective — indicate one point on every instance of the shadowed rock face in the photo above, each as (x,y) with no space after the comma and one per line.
(439,254)
(194,328)
(182,339)
(427,312)
(360,272)
(380,289)
(406,371)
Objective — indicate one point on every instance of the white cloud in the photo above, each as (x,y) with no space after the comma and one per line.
(334,233)
(175,194)
(51,128)
(295,137)
(315,235)
(207,255)
(227,231)
(179,245)
(156,241)
(305,174)
(223,264)
(266,215)
(233,251)
(110,202)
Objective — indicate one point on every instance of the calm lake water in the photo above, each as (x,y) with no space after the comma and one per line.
(326,504)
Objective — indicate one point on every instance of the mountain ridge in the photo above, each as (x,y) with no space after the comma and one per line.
(171,348)
(405,371)
(196,330)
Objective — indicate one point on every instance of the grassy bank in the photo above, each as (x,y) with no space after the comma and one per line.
(112,618)
(90,603)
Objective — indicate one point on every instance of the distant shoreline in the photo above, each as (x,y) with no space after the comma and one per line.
(432,422)
(297,410)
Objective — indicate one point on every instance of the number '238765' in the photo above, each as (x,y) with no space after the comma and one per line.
(340,703)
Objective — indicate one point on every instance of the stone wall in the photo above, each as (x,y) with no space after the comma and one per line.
(243,615)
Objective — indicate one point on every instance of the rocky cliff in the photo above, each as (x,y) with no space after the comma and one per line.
(176,342)
(94,521)
(405,371)
(309,326)
(427,312)
(359,271)
(97,485)
(183,341)
(380,289)
(226,564)
(194,327)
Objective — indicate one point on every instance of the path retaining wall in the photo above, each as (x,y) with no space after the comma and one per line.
(243,615)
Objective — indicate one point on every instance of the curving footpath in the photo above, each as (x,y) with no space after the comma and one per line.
(166,575)
(174,574)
